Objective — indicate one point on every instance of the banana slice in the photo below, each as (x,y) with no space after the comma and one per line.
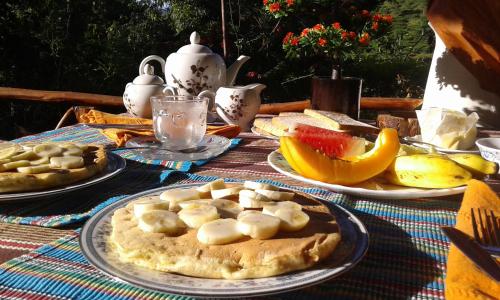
(3,161)
(231,192)
(195,215)
(176,196)
(219,232)
(258,225)
(26,155)
(199,201)
(247,212)
(67,162)
(227,208)
(275,195)
(28,146)
(72,151)
(252,185)
(250,199)
(160,221)
(48,150)
(81,146)
(9,151)
(14,165)
(34,169)
(272,207)
(40,161)
(205,190)
(292,219)
(147,204)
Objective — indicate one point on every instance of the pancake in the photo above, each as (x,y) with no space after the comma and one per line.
(95,161)
(245,258)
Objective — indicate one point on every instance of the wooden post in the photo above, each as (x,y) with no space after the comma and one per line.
(223,21)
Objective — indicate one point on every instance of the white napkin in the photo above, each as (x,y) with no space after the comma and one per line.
(447,128)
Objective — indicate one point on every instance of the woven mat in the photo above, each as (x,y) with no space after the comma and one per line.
(406,257)
(77,206)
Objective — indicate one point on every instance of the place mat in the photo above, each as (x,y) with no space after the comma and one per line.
(406,257)
(87,134)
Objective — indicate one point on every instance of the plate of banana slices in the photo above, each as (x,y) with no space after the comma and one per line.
(376,188)
(223,240)
(32,170)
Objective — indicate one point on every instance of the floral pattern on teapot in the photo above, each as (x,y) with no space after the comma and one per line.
(196,84)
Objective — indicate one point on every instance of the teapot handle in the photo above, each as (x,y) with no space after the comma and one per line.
(150,58)
(169,91)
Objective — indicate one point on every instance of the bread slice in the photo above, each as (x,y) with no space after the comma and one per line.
(265,124)
(339,121)
(284,123)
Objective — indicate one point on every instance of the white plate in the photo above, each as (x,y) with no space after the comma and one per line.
(94,245)
(264,134)
(115,165)
(150,148)
(279,163)
(415,141)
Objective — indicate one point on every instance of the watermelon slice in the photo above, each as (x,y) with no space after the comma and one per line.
(333,144)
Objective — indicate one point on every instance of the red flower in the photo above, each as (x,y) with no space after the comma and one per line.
(377,17)
(304,32)
(289,2)
(294,41)
(252,74)
(274,7)
(352,35)
(336,25)
(375,26)
(364,40)
(264,2)
(387,19)
(365,13)
(344,35)
(322,42)
(319,27)
(287,37)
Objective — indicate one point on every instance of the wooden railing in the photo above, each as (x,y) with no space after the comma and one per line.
(367,103)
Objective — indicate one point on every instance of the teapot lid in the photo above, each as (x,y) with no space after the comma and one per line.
(194,47)
(147,76)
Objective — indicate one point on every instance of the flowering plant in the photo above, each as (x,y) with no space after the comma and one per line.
(356,29)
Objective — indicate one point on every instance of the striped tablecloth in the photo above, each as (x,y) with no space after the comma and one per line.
(406,257)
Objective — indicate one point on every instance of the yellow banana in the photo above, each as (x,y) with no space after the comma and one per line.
(474,163)
(426,171)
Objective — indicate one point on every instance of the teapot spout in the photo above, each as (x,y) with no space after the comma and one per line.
(232,71)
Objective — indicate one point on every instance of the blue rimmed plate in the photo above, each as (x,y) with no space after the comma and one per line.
(94,245)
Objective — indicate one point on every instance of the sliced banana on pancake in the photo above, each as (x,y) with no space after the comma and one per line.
(34,169)
(258,225)
(271,207)
(292,219)
(47,150)
(40,161)
(275,195)
(160,221)
(26,155)
(176,196)
(145,205)
(226,193)
(4,160)
(247,212)
(219,232)
(227,208)
(195,215)
(252,185)
(66,162)
(72,151)
(14,165)
(205,190)
(197,201)
(10,151)
(251,199)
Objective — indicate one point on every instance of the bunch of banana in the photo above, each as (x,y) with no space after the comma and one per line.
(436,170)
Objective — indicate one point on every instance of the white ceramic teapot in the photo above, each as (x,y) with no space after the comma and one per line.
(195,68)
(238,105)
(137,93)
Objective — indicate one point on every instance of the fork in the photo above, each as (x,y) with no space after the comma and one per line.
(486,230)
